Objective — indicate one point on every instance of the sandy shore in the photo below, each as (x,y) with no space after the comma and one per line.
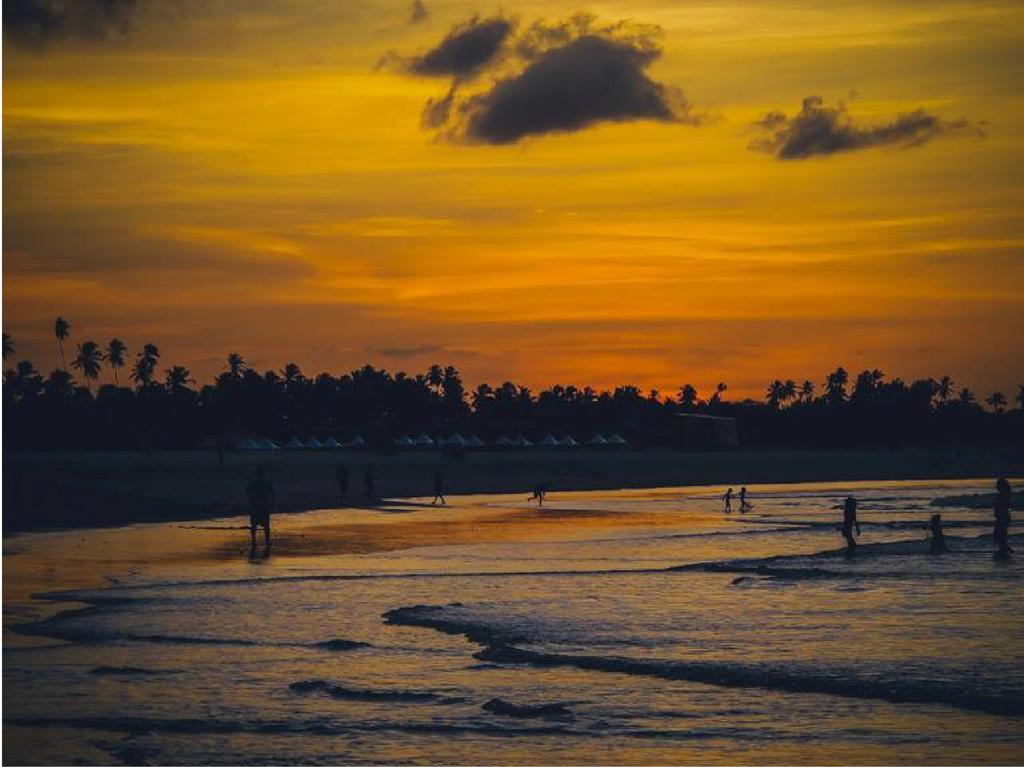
(92,489)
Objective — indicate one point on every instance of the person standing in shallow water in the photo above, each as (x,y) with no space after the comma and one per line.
(849,523)
(727,499)
(341,475)
(261,503)
(938,538)
(1001,530)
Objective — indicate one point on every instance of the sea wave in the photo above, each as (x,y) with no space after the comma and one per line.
(501,646)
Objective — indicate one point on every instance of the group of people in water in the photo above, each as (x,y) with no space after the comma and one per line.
(937,539)
(262,498)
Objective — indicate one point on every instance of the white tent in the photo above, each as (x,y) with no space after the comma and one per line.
(567,441)
(246,444)
(548,441)
(422,440)
(266,444)
(522,441)
(474,441)
(330,443)
(314,444)
(503,441)
(403,441)
(355,442)
(455,440)
(596,441)
(294,444)
(615,439)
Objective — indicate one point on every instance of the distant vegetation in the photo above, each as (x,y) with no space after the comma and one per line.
(166,409)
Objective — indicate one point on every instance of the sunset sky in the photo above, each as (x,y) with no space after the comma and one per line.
(281,180)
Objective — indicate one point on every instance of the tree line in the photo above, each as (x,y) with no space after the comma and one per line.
(169,410)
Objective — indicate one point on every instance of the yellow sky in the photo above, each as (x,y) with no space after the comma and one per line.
(237,176)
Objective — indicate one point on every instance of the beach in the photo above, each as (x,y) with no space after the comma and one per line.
(60,489)
(619,626)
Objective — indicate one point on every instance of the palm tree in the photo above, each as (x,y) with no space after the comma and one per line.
(145,365)
(997,401)
(789,390)
(807,391)
(62,329)
(687,396)
(236,366)
(775,393)
(435,377)
(720,388)
(8,345)
(945,389)
(177,378)
(88,361)
(115,356)
(966,396)
(835,386)
(291,373)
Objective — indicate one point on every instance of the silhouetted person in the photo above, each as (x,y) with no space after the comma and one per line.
(341,474)
(438,488)
(369,481)
(261,502)
(849,523)
(538,493)
(1001,531)
(744,503)
(938,538)
(727,499)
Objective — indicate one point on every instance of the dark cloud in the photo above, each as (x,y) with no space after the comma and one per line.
(418,12)
(402,352)
(466,49)
(821,130)
(554,77)
(36,22)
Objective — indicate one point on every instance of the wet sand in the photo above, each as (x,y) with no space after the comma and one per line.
(95,489)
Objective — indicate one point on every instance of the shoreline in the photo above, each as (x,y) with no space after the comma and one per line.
(77,490)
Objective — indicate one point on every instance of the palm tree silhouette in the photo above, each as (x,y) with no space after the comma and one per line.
(88,361)
(145,365)
(236,366)
(966,396)
(177,378)
(835,386)
(789,390)
(687,396)
(8,345)
(776,393)
(115,356)
(945,389)
(720,388)
(62,329)
(807,391)
(435,377)
(997,401)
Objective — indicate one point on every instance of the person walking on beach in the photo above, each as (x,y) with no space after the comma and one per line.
(1001,531)
(938,538)
(369,481)
(341,475)
(727,499)
(538,494)
(438,489)
(261,503)
(744,503)
(849,523)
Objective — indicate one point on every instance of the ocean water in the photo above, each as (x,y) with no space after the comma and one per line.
(704,637)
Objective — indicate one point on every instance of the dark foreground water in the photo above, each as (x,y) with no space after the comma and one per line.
(718,639)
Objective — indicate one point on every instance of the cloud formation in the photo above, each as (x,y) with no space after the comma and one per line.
(821,130)
(466,49)
(554,77)
(36,22)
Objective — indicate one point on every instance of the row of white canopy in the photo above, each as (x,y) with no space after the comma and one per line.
(330,443)
(423,440)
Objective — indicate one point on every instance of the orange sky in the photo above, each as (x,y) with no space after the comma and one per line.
(240,177)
